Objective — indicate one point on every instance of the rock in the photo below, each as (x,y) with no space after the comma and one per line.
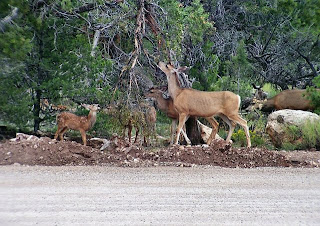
(22,136)
(279,120)
(103,143)
(206,131)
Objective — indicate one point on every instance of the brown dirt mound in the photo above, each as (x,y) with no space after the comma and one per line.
(49,152)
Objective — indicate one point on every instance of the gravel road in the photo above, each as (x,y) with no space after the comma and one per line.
(158,196)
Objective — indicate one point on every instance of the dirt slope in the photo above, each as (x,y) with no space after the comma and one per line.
(46,151)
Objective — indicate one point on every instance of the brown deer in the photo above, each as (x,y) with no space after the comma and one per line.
(149,127)
(144,118)
(294,99)
(191,102)
(127,118)
(67,120)
(259,93)
(166,106)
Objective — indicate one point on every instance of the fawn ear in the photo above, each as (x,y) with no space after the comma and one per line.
(86,106)
(97,106)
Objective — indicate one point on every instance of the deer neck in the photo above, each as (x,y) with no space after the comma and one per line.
(92,117)
(161,102)
(173,86)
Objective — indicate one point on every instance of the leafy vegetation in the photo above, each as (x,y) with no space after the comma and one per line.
(65,52)
(305,137)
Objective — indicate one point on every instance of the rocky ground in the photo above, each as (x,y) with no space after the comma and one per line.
(31,150)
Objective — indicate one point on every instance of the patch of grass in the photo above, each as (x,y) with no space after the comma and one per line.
(304,137)
(310,135)
(289,146)
(293,132)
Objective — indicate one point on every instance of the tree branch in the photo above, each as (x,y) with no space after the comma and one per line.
(8,19)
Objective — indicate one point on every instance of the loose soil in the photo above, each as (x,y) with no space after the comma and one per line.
(49,152)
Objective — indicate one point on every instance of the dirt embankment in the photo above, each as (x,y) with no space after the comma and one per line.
(46,151)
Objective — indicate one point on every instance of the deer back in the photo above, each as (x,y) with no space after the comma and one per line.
(74,122)
(206,104)
(288,99)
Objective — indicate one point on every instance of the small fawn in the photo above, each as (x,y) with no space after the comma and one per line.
(67,120)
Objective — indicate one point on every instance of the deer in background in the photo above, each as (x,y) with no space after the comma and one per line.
(127,118)
(143,118)
(191,102)
(294,99)
(256,101)
(166,106)
(67,120)
(259,93)
(149,127)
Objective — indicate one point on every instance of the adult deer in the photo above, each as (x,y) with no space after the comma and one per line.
(294,99)
(67,120)
(191,102)
(166,106)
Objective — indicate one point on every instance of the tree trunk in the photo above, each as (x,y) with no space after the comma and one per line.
(193,131)
(36,111)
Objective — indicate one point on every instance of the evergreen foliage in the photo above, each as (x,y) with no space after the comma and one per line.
(48,51)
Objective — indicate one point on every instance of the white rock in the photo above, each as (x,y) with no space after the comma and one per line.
(206,132)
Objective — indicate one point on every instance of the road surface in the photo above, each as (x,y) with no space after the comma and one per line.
(38,195)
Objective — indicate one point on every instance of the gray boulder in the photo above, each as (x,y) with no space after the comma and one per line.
(278,121)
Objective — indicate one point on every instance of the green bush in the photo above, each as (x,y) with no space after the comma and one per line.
(308,136)
(239,138)
(314,95)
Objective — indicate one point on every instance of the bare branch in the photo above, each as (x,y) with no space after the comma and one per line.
(8,19)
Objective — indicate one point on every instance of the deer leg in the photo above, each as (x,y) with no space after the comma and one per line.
(231,125)
(129,132)
(62,132)
(214,131)
(57,133)
(146,140)
(173,129)
(243,124)
(184,134)
(124,132)
(182,119)
(84,137)
(137,133)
